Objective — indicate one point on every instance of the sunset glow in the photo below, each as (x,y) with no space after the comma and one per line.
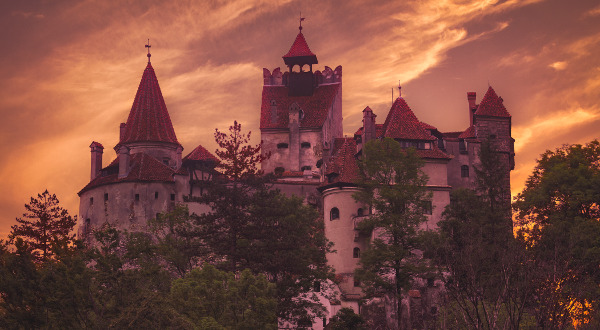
(70,70)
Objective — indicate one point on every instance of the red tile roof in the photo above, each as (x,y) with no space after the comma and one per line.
(344,162)
(315,107)
(144,168)
(469,133)
(433,153)
(201,154)
(427,126)
(97,145)
(401,123)
(149,119)
(300,49)
(491,105)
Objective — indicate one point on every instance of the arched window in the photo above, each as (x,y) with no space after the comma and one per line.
(464,171)
(360,212)
(334,214)
(356,253)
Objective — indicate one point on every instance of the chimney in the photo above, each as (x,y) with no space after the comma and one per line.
(369,131)
(96,149)
(124,159)
(472,106)
(122,129)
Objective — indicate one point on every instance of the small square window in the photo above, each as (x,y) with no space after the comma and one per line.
(91,201)
(428,208)
(464,171)
(137,197)
(156,195)
(172,197)
(105,196)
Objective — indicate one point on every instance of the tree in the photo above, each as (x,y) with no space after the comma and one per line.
(559,215)
(252,226)
(486,272)
(346,319)
(45,223)
(393,184)
(209,295)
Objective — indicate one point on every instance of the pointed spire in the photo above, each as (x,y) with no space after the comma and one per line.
(491,105)
(149,119)
(300,53)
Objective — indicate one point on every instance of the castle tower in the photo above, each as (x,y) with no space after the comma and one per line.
(301,115)
(492,123)
(147,176)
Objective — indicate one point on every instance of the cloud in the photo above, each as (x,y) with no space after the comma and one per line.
(558,66)
(557,123)
(27,14)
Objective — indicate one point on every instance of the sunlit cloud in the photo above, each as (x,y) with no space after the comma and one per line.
(557,122)
(558,66)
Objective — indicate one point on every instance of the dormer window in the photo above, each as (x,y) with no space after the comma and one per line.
(165,161)
(301,114)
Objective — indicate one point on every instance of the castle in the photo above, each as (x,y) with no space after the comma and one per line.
(301,126)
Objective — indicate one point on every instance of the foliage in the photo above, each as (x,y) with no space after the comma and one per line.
(484,269)
(209,295)
(45,223)
(239,160)
(346,319)
(392,183)
(252,226)
(558,213)
(176,244)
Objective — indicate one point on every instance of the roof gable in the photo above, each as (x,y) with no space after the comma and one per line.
(149,119)
(401,123)
(315,107)
(201,154)
(491,105)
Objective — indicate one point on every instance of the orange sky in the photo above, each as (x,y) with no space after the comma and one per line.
(70,69)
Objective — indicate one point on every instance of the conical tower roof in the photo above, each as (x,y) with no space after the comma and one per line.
(300,53)
(149,119)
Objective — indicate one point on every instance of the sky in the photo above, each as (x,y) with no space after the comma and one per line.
(69,71)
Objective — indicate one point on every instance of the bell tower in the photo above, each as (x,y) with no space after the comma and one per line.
(299,59)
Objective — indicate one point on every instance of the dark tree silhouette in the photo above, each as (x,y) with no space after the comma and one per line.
(45,223)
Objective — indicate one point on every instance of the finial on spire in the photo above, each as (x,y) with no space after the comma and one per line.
(399,89)
(148,46)
(301,19)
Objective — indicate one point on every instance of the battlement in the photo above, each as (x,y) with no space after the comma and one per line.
(278,78)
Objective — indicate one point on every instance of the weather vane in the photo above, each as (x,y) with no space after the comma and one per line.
(148,46)
(301,19)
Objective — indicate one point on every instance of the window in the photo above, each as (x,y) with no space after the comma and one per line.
(305,145)
(428,208)
(91,201)
(105,197)
(360,212)
(356,253)
(172,197)
(304,168)
(166,161)
(462,146)
(492,136)
(441,144)
(282,145)
(86,226)
(137,197)
(334,214)
(356,282)
(464,171)
(156,195)
(317,286)
(301,114)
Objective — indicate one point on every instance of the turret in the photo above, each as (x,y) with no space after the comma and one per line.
(300,82)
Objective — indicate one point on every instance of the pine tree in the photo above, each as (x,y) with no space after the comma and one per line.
(45,223)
